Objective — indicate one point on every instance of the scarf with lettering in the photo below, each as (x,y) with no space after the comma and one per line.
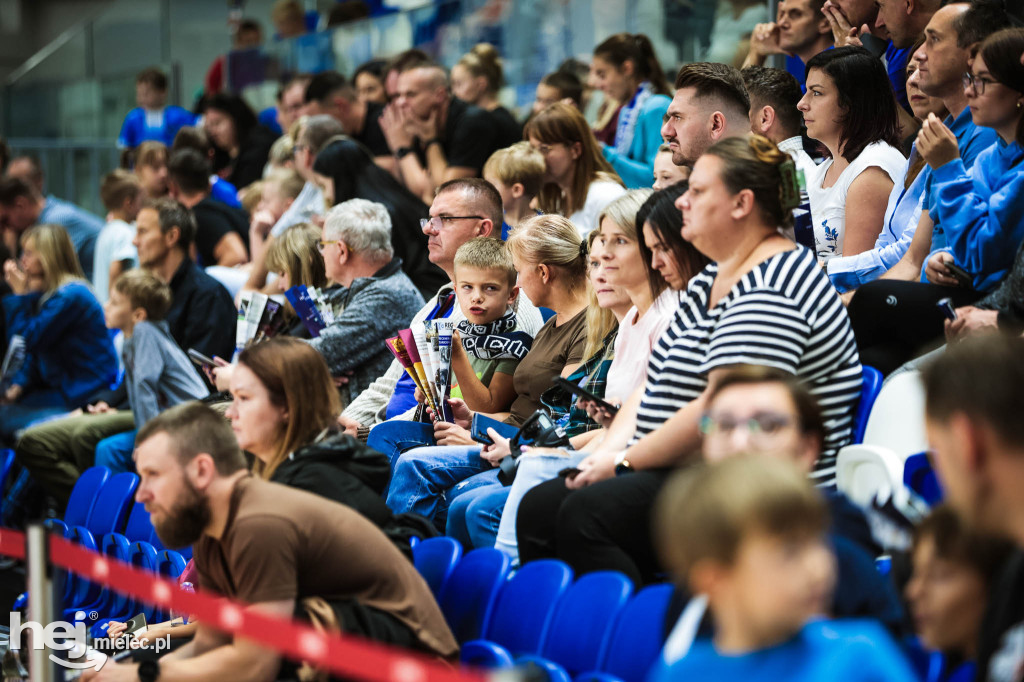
(495,340)
(628,116)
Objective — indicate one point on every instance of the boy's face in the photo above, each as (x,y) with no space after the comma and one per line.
(148,97)
(484,293)
(774,586)
(118,311)
(507,199)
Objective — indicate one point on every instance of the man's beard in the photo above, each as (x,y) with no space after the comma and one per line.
(186,520)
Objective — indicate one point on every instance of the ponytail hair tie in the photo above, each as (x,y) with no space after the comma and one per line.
(583,250)
(789,191)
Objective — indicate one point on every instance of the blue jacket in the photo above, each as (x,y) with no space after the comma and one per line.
(67,343)
(982,211)
(136,129)
(637,168)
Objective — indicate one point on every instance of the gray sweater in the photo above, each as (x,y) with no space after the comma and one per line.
(366,313)
(157,373)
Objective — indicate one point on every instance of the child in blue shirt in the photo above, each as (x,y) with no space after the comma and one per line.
(152,119)
(748,534)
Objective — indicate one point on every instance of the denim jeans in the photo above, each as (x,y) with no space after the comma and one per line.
(474,512)
(532,470)
(115,452)
(395,436)
(421,476)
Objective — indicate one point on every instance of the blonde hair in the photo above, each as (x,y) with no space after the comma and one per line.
(289,183)
(144,290)
(600,321)
(484,60)
(562,123)
(294,252)
(117,187)
(250,195)
(56,256)
(486,253)
(623,212)
(553,241)
(281,152)
(519,163)
(706,511)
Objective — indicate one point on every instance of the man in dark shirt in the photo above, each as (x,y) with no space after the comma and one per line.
(330,93)
(434,136)
(973,394)
(222,231)
(276,548)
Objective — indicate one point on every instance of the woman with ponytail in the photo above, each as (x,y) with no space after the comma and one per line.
(626,69)
(761,301)
(477,78)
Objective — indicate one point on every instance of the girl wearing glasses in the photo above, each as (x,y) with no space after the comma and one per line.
(578,182)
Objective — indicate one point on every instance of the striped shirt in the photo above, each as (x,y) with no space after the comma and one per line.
(784,313)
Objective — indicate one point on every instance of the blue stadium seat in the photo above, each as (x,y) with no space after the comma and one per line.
(522,615)
(83,496)
(536,668)
(141,555)
(169,564)
(77,589)
(868,394)
(919,476)
(435,559)
(638,635)
(583,621)
(139,526)
(115,546)
(468,595)
(6,462)
(112,502)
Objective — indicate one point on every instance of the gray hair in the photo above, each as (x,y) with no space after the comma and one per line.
(364,226)
(318,130)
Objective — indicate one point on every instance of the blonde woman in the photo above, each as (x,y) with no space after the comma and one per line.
(68,353)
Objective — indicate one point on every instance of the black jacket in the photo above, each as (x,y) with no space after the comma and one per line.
(343,469)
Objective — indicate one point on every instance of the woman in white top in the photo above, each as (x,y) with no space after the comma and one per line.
(850,108)
(578,181)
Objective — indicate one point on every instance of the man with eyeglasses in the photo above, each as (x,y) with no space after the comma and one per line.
(463,209)
(765,411)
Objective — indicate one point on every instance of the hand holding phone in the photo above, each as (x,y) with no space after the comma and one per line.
(573,389)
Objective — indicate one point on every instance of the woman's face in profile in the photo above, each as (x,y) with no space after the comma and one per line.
(258,423)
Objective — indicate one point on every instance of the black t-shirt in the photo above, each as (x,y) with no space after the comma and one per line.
(214,219)
(508,129)
(201,312)
(1001,649)
(470,137)
(371,136)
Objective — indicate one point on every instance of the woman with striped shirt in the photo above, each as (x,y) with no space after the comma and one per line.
(762,301)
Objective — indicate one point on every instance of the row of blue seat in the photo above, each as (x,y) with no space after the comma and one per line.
(595,628)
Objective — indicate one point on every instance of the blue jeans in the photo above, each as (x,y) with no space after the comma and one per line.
(395,436)
(474,515)
(33,407)
(115,452)
(421,476)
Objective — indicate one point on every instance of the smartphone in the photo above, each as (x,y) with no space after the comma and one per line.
(946,306)
(478,429)
(962,277)
(572,388)
(200,359)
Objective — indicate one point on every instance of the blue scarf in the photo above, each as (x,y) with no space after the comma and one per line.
(628,115)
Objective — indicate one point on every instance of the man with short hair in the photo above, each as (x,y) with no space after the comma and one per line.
(291,102)
(710,104)
(221,229)
(28,169)
(435,136)
(800,30)
(372,298)
(22,206)
(973,393)
(330,93)
(905,20)
(463,209)
(774,94)
(152,119)
(279,549)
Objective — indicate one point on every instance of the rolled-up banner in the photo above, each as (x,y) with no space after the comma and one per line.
(443,331)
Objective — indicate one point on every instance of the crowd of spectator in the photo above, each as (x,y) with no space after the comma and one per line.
(717,256)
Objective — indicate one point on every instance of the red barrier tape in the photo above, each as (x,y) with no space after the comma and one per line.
(346,655)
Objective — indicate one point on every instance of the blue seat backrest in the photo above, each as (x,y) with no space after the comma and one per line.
(144,556)
(83,495)
(526,605)
(468,595)
(637,637)
(583,620)
(870,388)
(170,563)
(139,526)
(111,507)
(435,559)
(6,462)
(78,590)
(919,476)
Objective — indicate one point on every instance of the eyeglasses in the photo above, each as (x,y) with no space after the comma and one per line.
(321,245)
(976,82)
(761,427)
(437,222)
(546,149)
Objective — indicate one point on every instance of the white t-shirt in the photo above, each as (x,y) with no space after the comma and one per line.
(113,244)
(634,342)
(828,205)
(599,194)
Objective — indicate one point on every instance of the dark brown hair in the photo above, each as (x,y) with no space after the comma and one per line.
(955,542)
(153,77)
(660,212)
(144,290)
(719,82)
(637,48)
(811,421)
(1001,52)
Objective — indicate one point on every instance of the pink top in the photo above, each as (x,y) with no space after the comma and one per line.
(634,342)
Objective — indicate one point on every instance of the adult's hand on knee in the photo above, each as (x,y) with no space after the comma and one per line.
(595,468)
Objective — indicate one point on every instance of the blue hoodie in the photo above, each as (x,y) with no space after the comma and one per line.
(637,167)
(982,211)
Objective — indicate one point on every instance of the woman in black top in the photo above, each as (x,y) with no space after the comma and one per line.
(242,145)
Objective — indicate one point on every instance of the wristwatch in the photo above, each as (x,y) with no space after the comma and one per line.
(149,670)
(402,152)
(622,465)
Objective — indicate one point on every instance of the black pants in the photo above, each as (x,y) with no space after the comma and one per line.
(605,526)
(895,321)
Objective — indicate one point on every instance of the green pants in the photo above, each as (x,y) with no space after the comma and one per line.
(57,452)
